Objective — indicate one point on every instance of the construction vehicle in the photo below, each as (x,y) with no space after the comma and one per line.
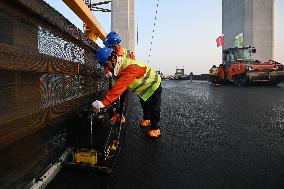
(180,75)
(240,68)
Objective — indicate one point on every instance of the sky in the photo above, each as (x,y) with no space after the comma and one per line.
(185,32)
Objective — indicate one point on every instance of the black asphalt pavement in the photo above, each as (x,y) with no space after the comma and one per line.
(212,137)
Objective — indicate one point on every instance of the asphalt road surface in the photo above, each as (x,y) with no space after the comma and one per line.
(212,137)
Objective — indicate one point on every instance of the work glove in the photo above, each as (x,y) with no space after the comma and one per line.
(98,104)
(108,75)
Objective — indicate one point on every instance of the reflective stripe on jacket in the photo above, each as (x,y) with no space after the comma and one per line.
(132,74)
(214,71)
(144,86)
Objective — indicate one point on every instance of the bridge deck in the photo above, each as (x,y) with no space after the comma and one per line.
(213,137)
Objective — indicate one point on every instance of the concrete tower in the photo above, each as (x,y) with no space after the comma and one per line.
(122,21)
(253,18)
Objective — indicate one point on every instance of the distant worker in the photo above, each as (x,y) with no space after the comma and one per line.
(138,78)
(214,75)
(191,76)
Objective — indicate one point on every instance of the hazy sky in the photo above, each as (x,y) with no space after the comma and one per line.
(185,32)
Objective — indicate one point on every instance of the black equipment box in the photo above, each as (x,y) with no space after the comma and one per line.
(87,131)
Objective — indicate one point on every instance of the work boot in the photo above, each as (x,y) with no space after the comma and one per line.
(144,123)
(116,118)
(154,133)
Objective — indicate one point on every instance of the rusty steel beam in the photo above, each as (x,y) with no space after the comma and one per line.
(84,13)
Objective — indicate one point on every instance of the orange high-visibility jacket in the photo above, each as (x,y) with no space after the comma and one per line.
(126,77)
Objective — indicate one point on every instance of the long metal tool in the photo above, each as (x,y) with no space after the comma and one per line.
(110,145)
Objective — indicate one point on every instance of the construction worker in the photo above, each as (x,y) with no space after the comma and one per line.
(191,76)
(138,78)
(214,74)
(113,41)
